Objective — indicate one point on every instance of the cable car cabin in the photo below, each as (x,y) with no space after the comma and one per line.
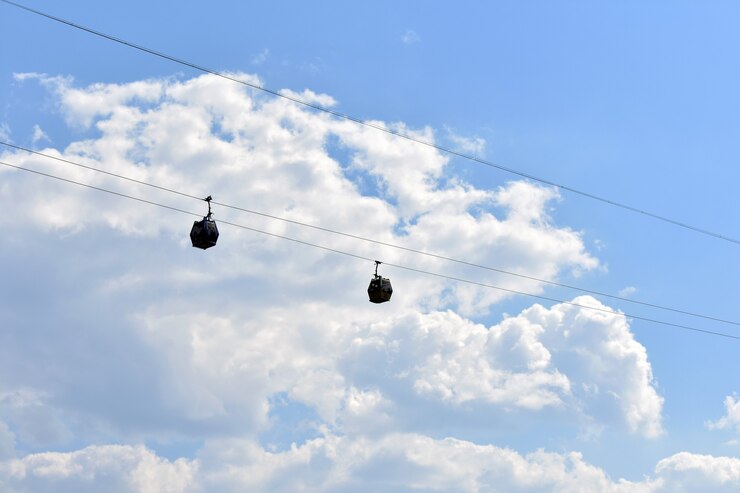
(380,289)
(204,233)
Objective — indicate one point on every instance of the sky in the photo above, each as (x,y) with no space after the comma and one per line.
(132,362)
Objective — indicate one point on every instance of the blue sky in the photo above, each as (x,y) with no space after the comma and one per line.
(258,364)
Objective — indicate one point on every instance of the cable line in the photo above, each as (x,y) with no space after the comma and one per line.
(378,242)
(399,266)
(348,117)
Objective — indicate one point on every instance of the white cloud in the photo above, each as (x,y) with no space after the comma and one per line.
(158,341)
(400,462)
(562,358)
(23,76)
(272,153)
(732,417)
(412,462)
(110,468)
(468,145)
(410,37)
(627,292)
(251,144)
(308,96)
(38,135)
(82,106)
(332,463)
(687,472)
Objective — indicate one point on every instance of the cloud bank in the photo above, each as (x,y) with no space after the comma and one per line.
(266,353)
(398,462)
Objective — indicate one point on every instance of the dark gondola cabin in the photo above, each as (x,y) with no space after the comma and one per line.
(380,289)
(204,233)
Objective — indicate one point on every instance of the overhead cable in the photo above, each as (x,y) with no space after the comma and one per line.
(399,266)
(378,242)
(381,128)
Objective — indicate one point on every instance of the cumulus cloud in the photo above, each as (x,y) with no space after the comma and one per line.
(157,341)
(309,96)
(38,135)
(412,462)
(403,462)
(82,106)
(627,291)
(468,145)
(731,419)
(331,463)
(113,468)
(251,143)
(687,472)
(563,357)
